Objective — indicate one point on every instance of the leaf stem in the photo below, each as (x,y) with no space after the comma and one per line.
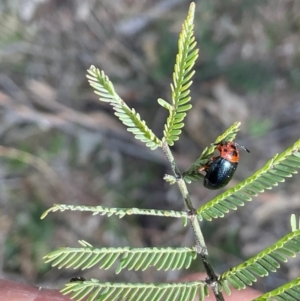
(201,249)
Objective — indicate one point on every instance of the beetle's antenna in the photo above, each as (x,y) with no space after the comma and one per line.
(243,147)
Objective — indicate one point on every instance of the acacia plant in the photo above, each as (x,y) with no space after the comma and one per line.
(273,172)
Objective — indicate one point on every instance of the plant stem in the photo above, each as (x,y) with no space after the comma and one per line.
(200,247)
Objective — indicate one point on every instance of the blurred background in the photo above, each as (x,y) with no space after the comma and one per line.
(59,144)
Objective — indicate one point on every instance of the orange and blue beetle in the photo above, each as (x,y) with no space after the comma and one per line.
(220,170)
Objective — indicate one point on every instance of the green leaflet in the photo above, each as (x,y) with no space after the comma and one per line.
(164,104)
(264,262)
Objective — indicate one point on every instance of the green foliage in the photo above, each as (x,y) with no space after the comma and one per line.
(101,291)
(264,262)
(275,170)
(130,258)
(120,212)
(287,292)
(185,60)
(105,89)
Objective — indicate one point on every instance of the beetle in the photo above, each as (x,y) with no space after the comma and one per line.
(220,170)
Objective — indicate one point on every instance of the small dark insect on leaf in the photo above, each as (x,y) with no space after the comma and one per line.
(77,278)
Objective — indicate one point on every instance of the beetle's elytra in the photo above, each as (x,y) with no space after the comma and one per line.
(220,170)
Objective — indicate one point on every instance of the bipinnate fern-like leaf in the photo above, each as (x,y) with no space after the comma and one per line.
(105,89)
(287,292)
(264,262)
(107,291)
(120,212)
(130,258)
(185,60)
(192,173)
(275,170)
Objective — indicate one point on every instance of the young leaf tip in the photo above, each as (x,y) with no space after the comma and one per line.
(191,13)
(91,69)
(192,8)
(293,223)
(44,215)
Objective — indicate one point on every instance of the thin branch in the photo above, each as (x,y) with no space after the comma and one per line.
(200,247)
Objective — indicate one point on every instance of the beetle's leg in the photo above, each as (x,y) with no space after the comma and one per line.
(206,166)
